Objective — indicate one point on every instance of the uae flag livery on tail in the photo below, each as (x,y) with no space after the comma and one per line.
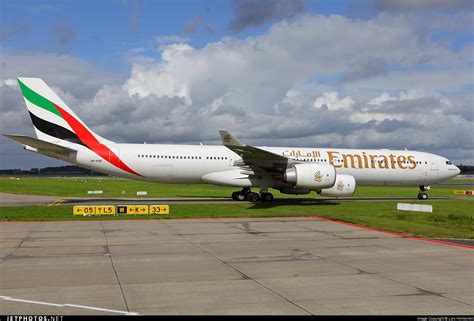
(53,120)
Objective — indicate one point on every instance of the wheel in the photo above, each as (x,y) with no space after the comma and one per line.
(240,197)
(267,197)
(235,196)
(422,196)
(252,197)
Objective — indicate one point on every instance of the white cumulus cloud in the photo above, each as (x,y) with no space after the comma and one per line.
(332,101)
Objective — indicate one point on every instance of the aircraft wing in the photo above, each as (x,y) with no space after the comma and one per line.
(254,157)
(41,145)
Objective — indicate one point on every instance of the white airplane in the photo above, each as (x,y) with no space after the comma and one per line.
(291,170)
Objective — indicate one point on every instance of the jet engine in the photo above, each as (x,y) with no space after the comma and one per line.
(344,186)
(311,176)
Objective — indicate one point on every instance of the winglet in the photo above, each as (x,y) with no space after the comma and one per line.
(228,139)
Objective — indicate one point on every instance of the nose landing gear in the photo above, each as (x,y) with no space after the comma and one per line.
(421,194)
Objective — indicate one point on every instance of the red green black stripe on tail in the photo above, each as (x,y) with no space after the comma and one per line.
(80,135)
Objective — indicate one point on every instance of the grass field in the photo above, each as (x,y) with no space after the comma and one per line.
(450,219)
(115,187)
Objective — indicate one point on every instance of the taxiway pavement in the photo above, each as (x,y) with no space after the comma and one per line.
(227,266)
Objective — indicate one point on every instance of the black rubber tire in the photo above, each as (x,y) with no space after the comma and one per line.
(241,197)
(422,196)
(253,197)
(235,196)
(267,197)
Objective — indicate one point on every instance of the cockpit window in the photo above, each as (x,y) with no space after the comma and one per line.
(449,163)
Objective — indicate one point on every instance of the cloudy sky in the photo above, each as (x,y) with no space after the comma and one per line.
(354,74)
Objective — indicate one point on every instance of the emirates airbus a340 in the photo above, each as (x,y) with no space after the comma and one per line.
(291,170)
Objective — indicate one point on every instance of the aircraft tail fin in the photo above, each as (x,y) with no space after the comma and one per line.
(52,118)
(58,128)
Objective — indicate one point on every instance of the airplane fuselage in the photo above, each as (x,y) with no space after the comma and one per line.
(189,163)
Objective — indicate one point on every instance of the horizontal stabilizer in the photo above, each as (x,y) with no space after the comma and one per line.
(41,145)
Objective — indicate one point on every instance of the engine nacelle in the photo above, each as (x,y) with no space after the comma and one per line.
(311,176)
(345,186)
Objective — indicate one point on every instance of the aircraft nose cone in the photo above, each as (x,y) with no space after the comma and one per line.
(458,171)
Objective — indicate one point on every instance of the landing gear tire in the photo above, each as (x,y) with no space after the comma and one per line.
(266,197)
(253,197)
(235,196)
(242,195)
(422,196)
(247,195)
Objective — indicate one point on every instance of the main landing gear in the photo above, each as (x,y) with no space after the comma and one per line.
(421,194)
(247,195)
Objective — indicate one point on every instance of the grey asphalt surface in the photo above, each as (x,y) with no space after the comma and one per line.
(227,266)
